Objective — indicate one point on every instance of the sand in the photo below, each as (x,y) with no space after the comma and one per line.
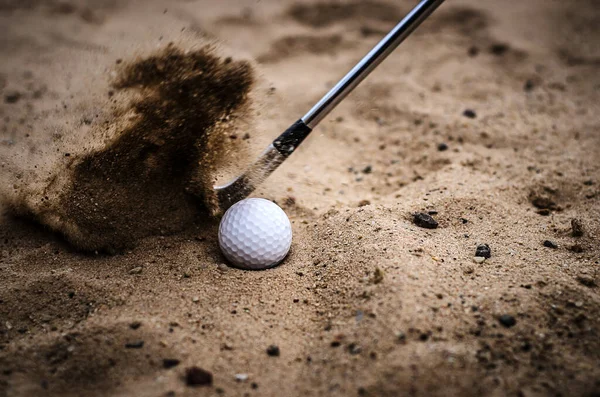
(486,118)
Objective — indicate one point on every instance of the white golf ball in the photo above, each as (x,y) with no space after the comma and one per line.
(255,234)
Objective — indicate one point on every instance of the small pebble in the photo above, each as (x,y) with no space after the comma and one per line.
(136,270)
(363,203)
(273,351)
(424,220)
(135,325)
(354,349)
(507,320)
(442,147)
(12,97)
(576,228)
(195,299)
(195,376)
(550,244)
(470,113)
(529,85)
(483,250)
(170,363)
(478,259)
(241,377)
(367,170)
(222,267)
(499,49)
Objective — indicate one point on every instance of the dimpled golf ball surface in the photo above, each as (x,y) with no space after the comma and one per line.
(255,234)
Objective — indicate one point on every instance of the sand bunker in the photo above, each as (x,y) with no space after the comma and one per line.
(152,176)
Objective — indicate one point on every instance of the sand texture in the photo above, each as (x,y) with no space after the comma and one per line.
(115,117)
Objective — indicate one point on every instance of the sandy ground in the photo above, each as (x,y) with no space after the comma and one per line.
(367,303)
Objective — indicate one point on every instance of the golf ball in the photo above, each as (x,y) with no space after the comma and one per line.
(255,234)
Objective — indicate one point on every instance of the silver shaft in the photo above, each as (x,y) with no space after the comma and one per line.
(370,62)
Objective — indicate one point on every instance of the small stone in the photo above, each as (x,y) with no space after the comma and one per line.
(273,351)
(12,97)
(195,299)
(542,202)
(170,363)
(367,170)
(469,113)
(136,270)
(241,377)
(550,244)
(424,220)
(483,250)
(576,228)
(195,376)
(135,325)
(499,49)
(354,349)
(442,147)
(507,320)
(222,267)
(478,259)
(138,344)
(529,85)
(363,203)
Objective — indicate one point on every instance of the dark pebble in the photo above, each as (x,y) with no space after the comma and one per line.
(254,385)
(442,147)
(483,250)
(135,325)
(470,113)
(499,49)
(529,85)
(12,97)
(354,349)
(273,351)
(542,202)
(138,344)
(550,244)
(170,362)
(463,220)
(195,376)
(367,170)
(424,220)
(507,320)
(576,228)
